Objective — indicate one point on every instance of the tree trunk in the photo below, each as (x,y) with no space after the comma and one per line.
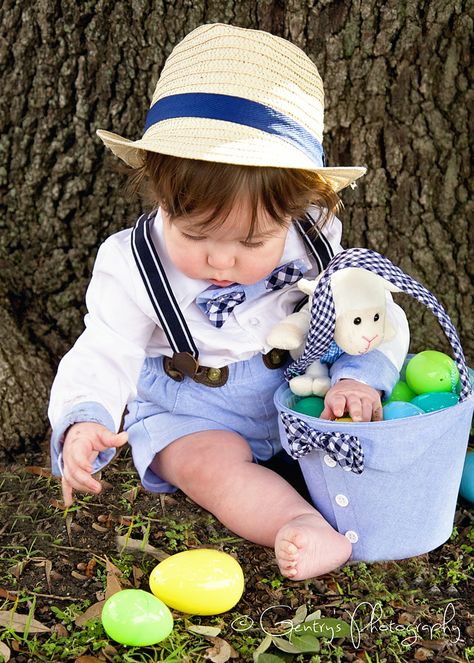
(396,76)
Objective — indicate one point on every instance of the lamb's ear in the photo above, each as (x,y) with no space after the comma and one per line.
(307,286)
(391,287)
(389,330)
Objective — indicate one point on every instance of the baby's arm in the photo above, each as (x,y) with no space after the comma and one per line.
(82,445)
(98,375)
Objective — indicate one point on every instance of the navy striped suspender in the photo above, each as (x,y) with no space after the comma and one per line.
(157,285)
(159,290)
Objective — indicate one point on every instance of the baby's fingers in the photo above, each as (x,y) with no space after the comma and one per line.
(109,439)
(81,479)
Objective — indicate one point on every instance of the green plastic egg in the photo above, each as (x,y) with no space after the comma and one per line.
(135,617)
(430,371)
(401,392)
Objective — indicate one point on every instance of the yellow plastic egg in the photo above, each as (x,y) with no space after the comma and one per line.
(344,419)
(198,582)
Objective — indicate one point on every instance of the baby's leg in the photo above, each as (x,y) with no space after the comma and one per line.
(215,469)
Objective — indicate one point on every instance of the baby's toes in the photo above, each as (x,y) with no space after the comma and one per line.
(288,549)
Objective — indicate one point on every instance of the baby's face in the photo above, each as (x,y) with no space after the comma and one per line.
(223,255)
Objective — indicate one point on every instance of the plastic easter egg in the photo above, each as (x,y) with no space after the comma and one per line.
(401,392)
(199,582)
(135,617)
(430,371)
(310,405)
(400,410)
(466,489)
(343,419)
(436,400)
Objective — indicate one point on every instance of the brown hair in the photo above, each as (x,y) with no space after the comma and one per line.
(185,187)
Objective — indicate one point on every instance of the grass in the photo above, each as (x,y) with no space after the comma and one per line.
(55,564)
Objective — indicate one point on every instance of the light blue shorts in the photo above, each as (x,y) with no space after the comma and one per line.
(165,410)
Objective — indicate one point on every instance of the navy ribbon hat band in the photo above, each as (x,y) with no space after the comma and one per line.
(241,111)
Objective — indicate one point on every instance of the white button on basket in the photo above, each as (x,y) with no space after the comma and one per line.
(341,500)
(330,462)
(352,536)
(254,322)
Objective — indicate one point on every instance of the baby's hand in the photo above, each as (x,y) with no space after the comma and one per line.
(82,445)
(360,401)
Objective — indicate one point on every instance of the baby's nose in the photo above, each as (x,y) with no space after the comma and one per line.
(221,259)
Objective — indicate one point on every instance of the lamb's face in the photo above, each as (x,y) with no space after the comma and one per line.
(359,331)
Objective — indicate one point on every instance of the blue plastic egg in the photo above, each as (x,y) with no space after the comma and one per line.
(466,489)
(400,409)
(436,400)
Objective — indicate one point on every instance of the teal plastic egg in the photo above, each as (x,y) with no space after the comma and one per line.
(310,405)
(400,410)
(436,400)
(430,371)
(137,618)
(401,392)
(466,489)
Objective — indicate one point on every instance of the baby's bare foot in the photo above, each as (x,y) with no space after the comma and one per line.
(308,546)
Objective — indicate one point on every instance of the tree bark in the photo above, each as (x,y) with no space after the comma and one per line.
(398,92)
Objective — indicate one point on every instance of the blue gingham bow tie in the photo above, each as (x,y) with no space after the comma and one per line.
(345,449)
(218,303)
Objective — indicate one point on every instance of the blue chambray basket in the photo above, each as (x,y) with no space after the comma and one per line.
(391,487)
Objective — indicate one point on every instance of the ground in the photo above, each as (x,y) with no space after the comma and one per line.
(55,564)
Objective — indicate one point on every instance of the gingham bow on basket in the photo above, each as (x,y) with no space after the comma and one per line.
(343,448)
(321,335)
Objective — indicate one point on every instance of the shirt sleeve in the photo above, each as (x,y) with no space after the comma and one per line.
(98,376)
(379,368)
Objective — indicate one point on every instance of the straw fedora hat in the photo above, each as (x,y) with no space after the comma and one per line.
(239,96)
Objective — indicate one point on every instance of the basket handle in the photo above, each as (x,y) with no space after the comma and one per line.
(323,313)
(345,449)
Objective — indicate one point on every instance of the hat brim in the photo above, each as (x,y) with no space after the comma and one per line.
(232,143)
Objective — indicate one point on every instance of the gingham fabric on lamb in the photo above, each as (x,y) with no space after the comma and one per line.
(343,448)
(323,314)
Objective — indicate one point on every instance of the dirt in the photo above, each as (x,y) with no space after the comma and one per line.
(58,558)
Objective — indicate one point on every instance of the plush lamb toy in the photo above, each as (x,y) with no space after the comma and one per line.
(361,324)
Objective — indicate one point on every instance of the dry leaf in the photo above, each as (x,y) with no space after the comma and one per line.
(423,654)
(115,579)
(5,594)
(56,504)
(48,566)
(100,528)
(110,653)
(21,623)
(68,527)
(136,545)
(221,652)
(40,471)
(5,652)
(60,630)
(78,576)
(92,611)
(89,659)
(90,567)
(131,495)
(137,575)
(210,631)
(17,569)
(406,618)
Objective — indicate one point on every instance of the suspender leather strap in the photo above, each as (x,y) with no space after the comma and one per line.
(170,316)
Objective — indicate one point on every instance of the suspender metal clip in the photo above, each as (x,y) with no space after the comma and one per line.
(185,363)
